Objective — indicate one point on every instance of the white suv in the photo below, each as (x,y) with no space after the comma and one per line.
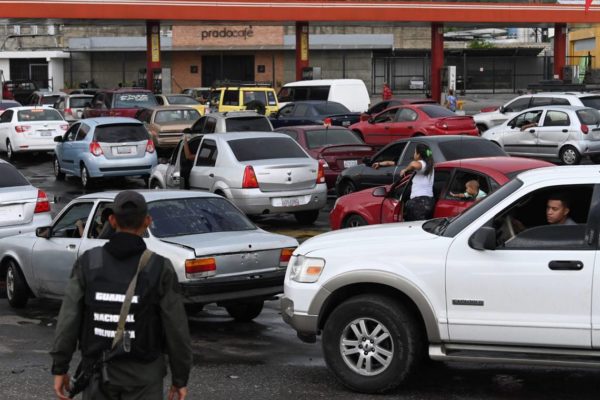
(487,120)
(498,283)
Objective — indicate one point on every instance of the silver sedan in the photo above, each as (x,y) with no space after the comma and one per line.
(219,255)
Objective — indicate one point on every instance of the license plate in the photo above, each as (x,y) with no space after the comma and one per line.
(124,150)
(345,123)
(287,201)
(45,133)
(350,163)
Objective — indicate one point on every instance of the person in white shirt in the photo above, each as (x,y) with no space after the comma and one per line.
(420,205)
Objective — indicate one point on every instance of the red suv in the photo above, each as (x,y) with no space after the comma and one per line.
(123,102)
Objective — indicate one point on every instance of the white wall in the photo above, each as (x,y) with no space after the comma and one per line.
(56,71)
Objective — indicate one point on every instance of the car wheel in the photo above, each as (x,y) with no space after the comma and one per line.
(569,155)
(146,179)
(10,154)
(418,134)
(154,184)
(346,187)
(306,217)
(372,343)
(86,181)
(595,159)
(57,173)
(245,311)
(17,291)
(354,220)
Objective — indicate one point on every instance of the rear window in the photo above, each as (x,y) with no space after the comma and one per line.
(50,99)
(182,100)
(8,104)
(299,93)
(591,101)
(331,108)
(134,100)
(79,102)
(9,176)
(180,217)
(457,149)
(329,137)
(175,116)
(254,95)
(39,114)
(121,133)
(437,111)
(589,116)
(260,124)
(266,148)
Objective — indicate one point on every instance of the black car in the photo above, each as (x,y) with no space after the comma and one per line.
(19,90)
(444,148)
(314,112)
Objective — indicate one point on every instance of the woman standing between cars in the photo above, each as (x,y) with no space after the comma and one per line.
(421,202)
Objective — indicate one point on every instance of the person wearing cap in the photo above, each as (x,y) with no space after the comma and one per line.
(155,325)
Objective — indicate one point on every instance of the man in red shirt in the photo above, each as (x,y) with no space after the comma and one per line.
(387,92)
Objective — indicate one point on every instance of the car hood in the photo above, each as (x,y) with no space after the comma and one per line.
(232,242)
(366,236)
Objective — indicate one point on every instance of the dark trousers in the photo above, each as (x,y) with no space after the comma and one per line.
(419,208)
(153,391)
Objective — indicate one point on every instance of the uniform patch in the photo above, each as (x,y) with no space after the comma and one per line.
(112,318)
(110,334)
(114,297)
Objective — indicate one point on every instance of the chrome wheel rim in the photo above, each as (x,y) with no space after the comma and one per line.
(367,347)
(569,156)
(10,283)
(84,177)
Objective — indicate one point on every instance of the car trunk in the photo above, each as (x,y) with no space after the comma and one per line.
(236,253)
(120,141)
(340,157)
(172,130)
(17,204)
(285,174)
(43,130)
(344,119)
(455,124)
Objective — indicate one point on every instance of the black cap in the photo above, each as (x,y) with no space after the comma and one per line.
(130,202)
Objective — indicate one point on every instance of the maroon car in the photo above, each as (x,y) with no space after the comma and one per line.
(335,147)
(122,102)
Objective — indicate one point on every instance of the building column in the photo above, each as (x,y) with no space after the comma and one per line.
(437,60)
(301,48)
(152,51)
(560,49)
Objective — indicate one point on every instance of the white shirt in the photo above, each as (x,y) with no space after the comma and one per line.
(422,185)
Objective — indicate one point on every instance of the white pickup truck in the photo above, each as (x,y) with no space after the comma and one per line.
(496,283)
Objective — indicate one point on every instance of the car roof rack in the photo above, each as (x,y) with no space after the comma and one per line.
(228,83)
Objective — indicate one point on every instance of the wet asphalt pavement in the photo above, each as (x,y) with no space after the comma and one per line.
(262,359)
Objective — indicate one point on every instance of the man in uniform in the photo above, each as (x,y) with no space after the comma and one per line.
(156,324)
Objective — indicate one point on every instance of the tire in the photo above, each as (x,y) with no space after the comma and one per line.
(306,217)
(398,354)
(10,154)
(353,221)
(146,179)
(569,156)
(245,311)
(60,176)
(86,181)
(346,187)
(595,159)
(418,134)
(17,291)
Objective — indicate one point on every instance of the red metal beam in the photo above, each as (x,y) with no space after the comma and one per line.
(437,60)
(286,11)
(560,49)
(302,56)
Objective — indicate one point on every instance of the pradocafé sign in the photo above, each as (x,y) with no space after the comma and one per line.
(224,33)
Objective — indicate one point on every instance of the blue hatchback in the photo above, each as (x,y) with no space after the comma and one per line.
(101,147)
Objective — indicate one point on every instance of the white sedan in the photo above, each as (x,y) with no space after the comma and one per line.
(30,129)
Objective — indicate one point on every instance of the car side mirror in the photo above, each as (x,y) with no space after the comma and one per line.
(483,239)
(379,191)
(43,232)
(502,110)
(58,139)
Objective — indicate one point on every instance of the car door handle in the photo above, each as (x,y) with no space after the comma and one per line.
(565,130)
(532,131)
(561,265)
(211,175)
(71,247)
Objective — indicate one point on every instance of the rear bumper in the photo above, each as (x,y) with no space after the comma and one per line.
(169,141)
(261,285)
(42,219)
(589,147)
(20,144)
(253,201)
(99,167)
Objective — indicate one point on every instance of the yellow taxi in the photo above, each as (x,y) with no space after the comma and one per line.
(257,97)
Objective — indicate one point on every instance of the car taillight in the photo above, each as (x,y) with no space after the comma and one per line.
(323,163)
(42,204)
(64,127)
(249,181)
(320,174)
(441,125)
(285,256)
(205,266)
(22,128)
(584,128)
(95,149)
(327,122)
(68,111)
(150,146)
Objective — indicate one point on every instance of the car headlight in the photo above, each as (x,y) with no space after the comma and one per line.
(306,269)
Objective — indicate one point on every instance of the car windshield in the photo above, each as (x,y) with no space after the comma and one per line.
(331,108)
(589,116)
(182,100)
(591,101)
(176,116)
(260,124)
(193,216)
(457,149)
(328,137)
(79,102)
(9,176)
(435,111)
(266,148)
(134,100)
(450,227)
(50,99)
(39,114)
(121,133)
